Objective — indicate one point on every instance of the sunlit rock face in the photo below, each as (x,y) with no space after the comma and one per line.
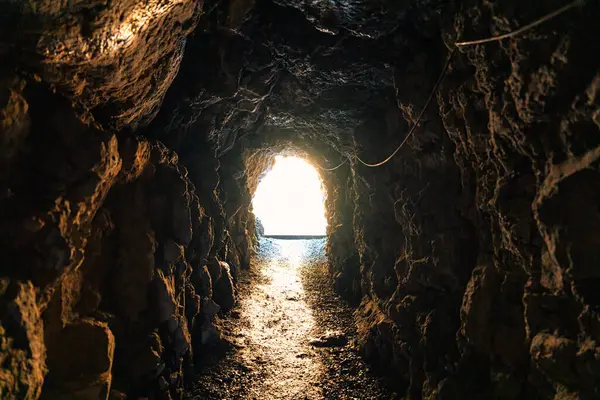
(114,59)
(134,134)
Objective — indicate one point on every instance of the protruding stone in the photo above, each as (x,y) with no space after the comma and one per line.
(476,307)
(80,362)
(205,332)
(202,281)
(173,252)
(147,363)
(22,351)
(556,357)
(164,296)
(223,288)
(330,339)
(214,268)
(15,122)
(135,155)
(208,307)
(181,339)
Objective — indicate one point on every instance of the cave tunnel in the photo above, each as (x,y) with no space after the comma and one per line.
(457,146)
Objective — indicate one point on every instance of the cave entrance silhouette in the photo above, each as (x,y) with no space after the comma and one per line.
(289,201)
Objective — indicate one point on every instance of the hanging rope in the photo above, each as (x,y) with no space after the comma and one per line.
(519,31)
(540,21)
(331,169)
(412,130)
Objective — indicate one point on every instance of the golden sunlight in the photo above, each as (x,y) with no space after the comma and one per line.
(289,200)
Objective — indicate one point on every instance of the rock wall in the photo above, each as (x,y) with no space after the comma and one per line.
(114,261)
(485,290)
(133,135)
(111,270)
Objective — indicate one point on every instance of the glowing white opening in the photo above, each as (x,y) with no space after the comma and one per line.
(289,200)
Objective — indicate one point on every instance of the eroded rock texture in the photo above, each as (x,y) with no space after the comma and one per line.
(133,135)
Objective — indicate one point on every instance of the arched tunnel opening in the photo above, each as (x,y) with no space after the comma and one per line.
(456,151)
(289,200)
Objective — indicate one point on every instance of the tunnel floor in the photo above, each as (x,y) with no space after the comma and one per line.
(290,336)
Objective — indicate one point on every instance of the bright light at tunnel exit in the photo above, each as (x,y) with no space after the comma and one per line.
(289,200)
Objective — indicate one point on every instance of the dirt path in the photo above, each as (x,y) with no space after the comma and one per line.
(291,336)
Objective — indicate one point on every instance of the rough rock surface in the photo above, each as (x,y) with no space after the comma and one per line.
(23,353)
(133,135)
